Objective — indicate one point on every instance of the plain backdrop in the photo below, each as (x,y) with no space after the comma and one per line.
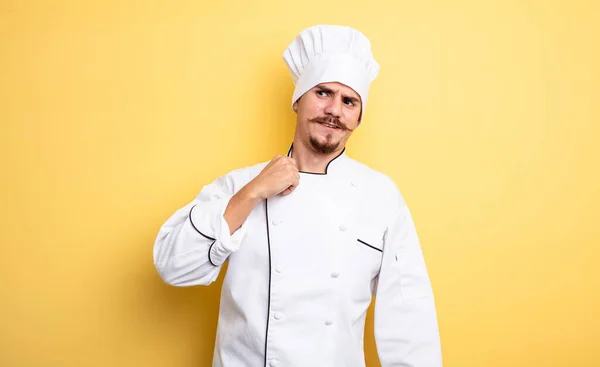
(113,114)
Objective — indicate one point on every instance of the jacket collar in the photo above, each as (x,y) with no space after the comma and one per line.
(332,166)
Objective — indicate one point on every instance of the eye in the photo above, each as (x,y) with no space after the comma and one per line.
(349,102)
(321,92)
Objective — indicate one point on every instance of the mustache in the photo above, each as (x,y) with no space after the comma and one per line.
(329,120)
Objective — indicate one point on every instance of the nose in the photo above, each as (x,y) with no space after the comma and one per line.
(334,107)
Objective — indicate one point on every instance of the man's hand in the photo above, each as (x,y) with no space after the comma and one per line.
(280,176)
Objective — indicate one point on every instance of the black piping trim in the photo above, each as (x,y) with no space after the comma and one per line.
(197,230)
(269,295)
(373,247)
(313,173)
(209,259)
(326,167)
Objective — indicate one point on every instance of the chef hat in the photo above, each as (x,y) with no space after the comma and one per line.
(331,53)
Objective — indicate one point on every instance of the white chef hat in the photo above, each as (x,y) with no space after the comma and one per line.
(331,53)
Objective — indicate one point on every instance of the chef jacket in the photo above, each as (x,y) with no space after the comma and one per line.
(303,269)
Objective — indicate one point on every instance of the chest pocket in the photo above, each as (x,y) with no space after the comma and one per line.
(368,248)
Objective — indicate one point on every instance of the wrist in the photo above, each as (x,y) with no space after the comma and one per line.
(251,195)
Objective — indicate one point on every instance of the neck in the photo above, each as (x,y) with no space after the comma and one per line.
(311,161)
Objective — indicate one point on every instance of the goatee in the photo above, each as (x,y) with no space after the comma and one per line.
(323,148)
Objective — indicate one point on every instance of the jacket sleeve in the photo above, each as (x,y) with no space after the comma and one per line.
(195,241)
(406,329)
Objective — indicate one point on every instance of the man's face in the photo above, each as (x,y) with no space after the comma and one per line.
(326,116)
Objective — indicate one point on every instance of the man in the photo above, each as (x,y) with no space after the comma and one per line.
(310,237)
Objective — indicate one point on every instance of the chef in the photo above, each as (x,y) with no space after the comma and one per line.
(310,236)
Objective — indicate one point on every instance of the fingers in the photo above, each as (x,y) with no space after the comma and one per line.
(285,160)
(293,185)
(273,161)
(283,169)
(288,191)
(293,161)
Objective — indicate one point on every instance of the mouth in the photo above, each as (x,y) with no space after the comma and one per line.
(328,125)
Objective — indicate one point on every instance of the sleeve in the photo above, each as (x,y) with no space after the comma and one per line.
(192,245)
(405,321)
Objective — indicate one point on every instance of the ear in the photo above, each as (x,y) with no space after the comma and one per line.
(295,106)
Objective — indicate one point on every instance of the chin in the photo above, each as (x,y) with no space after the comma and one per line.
(324,145)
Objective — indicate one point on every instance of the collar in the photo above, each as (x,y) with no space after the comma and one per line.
(331,166)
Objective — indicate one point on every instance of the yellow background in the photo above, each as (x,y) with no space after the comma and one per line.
(115,113)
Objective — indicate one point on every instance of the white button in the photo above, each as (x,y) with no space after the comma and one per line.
(354,183)
(343,228)
(276,222)
(335,274)
(277,316)
(278,270)
(273,362)
(328,322)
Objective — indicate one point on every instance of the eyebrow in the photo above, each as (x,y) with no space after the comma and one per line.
(328,90)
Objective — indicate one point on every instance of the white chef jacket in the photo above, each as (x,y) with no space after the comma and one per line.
(303,269)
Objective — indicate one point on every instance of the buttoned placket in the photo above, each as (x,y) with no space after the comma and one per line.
(276,316)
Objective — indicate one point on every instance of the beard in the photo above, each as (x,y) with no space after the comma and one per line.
(327,147)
